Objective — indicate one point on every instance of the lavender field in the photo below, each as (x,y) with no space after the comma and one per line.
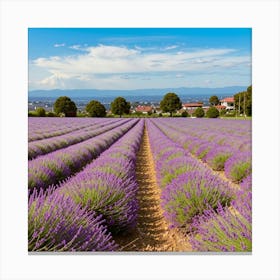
(139,184)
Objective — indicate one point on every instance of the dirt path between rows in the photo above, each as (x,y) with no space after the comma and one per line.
(152,233)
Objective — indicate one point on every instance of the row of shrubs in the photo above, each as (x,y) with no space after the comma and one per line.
(214,216)
(212,112)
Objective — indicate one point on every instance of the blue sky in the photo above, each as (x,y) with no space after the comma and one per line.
(134,58)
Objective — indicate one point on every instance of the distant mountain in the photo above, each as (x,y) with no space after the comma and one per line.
(96,93)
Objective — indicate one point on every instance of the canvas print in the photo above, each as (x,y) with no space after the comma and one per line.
(139,140)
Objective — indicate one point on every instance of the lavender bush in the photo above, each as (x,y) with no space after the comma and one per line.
(213,141)
(238,166)
(50,127)
(189,194)
(175,167)
(228,229)
(56,223)
(108,185)
(187,185)
(56,166)
(48,145)
(217,156)
(106,194)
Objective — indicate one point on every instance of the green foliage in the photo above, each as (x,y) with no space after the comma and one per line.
(214,100)
(120,106)
(138,113)
(241,97)
(171,174)
(199,113)
(240,171)
(170,103)
(96,109)
(203,153)
(212,112)
(50,114)
(216,233)
(66,106)
(32,114)
(218,162)
(41,112)
(185,114)
(223,112)
(188,201)
(82,114)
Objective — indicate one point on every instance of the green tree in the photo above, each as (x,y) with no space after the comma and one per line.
(214,100)
(185,114)
(65,105)
(212,112)
(96,109)
(120,106)
(170,103)
(243,101)
(199,112)
(223,112)
(50,114)
(41,112)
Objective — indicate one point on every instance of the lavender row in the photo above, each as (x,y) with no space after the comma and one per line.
(75,216)
(228,229)
(235,134)
(44,146)
(57,223)
(237,164)
(50,127)
(56,166)
(218,130)
(108,185)
(188,187)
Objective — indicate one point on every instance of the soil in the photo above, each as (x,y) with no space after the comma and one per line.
(152,232)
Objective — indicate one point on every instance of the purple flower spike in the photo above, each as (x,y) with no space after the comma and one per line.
(57,223)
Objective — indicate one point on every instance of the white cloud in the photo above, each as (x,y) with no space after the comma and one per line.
(171,47)
(59,45)
(115,66)
(111,52)
(76,47)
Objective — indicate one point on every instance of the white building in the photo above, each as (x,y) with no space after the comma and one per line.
(228,102)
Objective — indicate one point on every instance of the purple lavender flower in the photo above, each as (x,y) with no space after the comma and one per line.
(238,166)
(231,227)
(56,223)
(108,185)
(44,146)
(60,164)
(227,230)
(217,156)
(105,194)
(190,194)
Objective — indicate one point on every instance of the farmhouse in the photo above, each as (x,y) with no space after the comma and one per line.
(220,107)
(191,106)
(143,109)
(228,102)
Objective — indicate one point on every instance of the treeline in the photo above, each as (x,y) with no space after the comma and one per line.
(171,103)
(243,102)
(65,107)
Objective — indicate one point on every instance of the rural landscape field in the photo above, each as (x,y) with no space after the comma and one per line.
(140,143)
(132,184)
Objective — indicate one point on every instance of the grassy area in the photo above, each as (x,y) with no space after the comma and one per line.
(236,118)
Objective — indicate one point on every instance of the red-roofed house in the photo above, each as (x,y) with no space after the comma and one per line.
(189,106)
(228,102)
(220,107)
(143,109)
